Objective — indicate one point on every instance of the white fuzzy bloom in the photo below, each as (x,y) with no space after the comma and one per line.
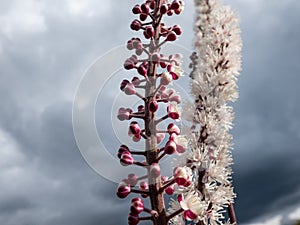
(215,67)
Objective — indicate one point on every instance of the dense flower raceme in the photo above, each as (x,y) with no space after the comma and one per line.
(154,73)
(215,67)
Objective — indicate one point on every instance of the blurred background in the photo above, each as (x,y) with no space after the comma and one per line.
(46,47)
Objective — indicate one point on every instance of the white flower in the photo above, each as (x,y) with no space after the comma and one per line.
(192,201)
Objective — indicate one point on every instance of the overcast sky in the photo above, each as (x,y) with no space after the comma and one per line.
(45,48)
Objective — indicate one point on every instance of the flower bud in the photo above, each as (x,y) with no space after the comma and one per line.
(170,147)
(170,12)
(145,8)
(129,89)
(171,36)
(166,78)
(136,25)
(137,206)
(177,29)
(126,159)
(153,106)
(163,9)
(122,149)
(175,5)
(123,190)
(132,179)
(173,128)
(154,170)
(137,9)
(150,31)
(141,108)
(182,176)
(152,5)
(144,187)
(142,70)
(173,112)
(189,215)
(123,84)
(129,45)
(170,190)
(124,114)
(133,219)
(134,128)
(136,81)
(143,16)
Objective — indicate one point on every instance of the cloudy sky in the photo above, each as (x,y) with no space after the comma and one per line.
(46,47)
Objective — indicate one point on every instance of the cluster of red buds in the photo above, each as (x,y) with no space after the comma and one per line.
(152,88)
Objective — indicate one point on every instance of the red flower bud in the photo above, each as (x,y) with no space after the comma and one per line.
(172,128)
(141,108)
(137,206)
(153,106)
(122,149)
(175,5)
(123,84)
(171,36)
(150,31)
(126,159)
(134,128)
(177,29)
(137,9)
(189,215)
(123,190)
(144,187)
(136,25)
(142,70)
(173,112)
(163,8)
(170,147)
(133,219)
(143,16)
(145,8)
(170,190)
